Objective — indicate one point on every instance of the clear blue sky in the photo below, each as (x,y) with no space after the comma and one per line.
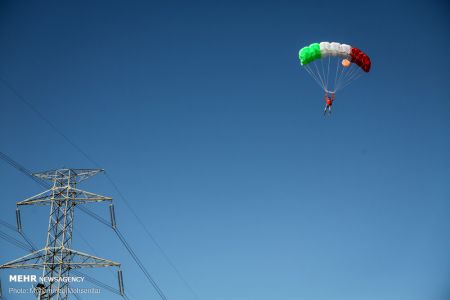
(202,116)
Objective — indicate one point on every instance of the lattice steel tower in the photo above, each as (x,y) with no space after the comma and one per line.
(58,258)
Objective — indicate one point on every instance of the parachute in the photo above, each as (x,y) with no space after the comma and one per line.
(333,65)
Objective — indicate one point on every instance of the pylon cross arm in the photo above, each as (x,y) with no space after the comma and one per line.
(34,260)
(62,194)
(83,260)
(78,260)
(62,174)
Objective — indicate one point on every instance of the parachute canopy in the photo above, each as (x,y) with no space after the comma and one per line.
(324,49)
(350,62)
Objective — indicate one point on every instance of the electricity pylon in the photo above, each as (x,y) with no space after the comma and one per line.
(58,258)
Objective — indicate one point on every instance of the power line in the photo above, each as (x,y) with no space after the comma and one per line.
(44,184)
(91,248)
(88,278)
(30,247)
(14,241)
(128,248)
(152,238)
(49,123)
(96,164)
(6,224)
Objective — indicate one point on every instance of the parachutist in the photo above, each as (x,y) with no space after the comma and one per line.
(328,103)
(318,60)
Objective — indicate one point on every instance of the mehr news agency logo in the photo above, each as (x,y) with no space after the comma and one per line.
(41,282)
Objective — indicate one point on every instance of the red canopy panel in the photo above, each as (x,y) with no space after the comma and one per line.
(361,59)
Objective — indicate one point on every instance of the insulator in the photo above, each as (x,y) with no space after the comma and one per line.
(18,220)
(112,214)
(120,277)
